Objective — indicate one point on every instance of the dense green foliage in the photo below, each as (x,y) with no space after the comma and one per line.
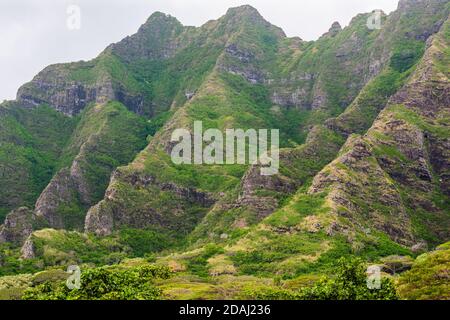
(350,283)
(30,144)
(11,263)
(429,277)
(105,284)
(406,55)
(144,242)
(198,264)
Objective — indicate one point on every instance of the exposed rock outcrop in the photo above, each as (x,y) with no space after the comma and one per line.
(361,193)
(54,86)
(334,30)
(107,131)
(157,39)
(387,177)
(17,227)
(28,249)
(62,189)
(116,210)
(69,88)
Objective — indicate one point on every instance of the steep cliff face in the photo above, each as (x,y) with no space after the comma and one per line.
(259,196)
(154,204)
(107,136)
(17,227)
(189,191)
(388,177)
(380,194)
(69,88)
(353,67)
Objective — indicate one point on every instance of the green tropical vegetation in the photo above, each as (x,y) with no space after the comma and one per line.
(87,179)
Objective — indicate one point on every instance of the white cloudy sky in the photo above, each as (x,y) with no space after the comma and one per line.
(33,33)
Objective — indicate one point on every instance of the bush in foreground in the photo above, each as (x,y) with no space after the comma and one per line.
(105,284)
(350,283)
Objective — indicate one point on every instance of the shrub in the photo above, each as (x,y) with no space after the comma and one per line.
(105,284)
(429,277)
(350,283)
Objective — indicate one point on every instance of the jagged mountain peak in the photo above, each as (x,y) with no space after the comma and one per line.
(160,18)
(154,39)
(336,26)
(248,15)
(244,10)
(334,30)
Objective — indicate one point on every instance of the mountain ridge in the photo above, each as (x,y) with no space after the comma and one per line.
(363,166)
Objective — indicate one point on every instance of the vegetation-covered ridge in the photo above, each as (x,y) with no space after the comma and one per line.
(86,176)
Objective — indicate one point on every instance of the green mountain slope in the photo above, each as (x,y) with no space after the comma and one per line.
(364,161)
(31,143)
(225,101)
(106,137)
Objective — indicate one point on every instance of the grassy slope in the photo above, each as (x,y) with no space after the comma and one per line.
(428,278)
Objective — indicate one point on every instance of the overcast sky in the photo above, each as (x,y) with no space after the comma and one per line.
(34,33)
